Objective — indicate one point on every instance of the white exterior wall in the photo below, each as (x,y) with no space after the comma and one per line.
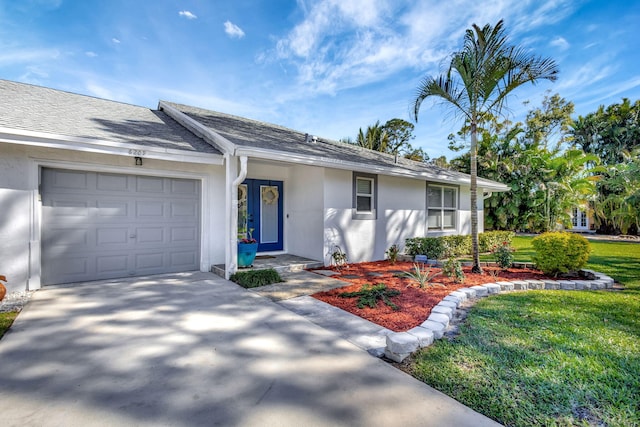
(20,215)
(304,214)
(400,214)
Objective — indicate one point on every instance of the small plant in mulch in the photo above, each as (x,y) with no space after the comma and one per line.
(422,276)
(453,268)
(503,254)
(256,278)
(392,253)
(369,295)
(338,257)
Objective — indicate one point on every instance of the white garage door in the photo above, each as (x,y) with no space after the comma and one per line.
(102,226)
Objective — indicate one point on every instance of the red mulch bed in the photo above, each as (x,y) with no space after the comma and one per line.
(414,304)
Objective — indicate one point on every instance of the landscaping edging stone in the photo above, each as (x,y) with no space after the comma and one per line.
(400,345)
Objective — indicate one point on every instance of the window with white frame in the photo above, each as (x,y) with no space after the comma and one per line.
(364,196)
(442,207)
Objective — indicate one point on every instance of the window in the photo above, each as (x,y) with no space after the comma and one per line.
(364,196)
(442,207)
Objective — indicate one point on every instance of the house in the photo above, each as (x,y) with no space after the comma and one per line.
(94,189)
(582,219)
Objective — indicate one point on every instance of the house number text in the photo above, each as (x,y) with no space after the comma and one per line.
(138,153)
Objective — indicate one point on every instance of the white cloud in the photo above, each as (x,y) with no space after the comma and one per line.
(187,14)
(560,42)
(115,40)
(233,30)
(340,45)
(18,56)
(91,54)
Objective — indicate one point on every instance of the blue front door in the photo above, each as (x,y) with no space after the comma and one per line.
(264,213)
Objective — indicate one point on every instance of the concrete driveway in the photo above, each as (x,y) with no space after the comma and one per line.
(195,350)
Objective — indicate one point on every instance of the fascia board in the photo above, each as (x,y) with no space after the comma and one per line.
(194,126)
(47,140)
(360,167)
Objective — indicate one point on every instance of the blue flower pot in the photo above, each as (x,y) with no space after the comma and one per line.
(246,254)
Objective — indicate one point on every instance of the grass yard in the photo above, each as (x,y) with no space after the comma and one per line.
(6,319)
(549,357)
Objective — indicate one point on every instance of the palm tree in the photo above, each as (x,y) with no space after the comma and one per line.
(477,82)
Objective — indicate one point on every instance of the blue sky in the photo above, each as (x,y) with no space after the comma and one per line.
(325,67)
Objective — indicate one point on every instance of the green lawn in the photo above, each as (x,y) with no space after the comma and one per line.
(6,319)
(549,357)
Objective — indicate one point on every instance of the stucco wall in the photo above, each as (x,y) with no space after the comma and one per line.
(19,232)
(304,219)
(401,214)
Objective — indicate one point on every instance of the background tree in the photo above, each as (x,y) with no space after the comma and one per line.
(478,80)
(613,134)
(546,181)
(374,138)
(399,133)
(392,138)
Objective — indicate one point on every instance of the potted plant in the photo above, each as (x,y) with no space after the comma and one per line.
(247,249)
(3,289)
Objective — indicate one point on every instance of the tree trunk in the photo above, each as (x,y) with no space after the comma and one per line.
(474,199)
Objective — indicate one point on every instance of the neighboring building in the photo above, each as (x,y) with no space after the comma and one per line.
(95,189)
(582,220)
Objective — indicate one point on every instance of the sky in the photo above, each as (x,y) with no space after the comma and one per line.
(325,67)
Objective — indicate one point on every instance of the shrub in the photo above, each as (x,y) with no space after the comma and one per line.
(455,246)
(422,276)
(369,295)
(453,268)
(503,253)
(560,252)
(392,253)
(491,239)
(255,278)
(432,247)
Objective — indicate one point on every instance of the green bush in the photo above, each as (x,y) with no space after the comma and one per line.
(453,268)
(560,252)
(455,246)
(369,295)
(432,247)
(490,239)
(255,278)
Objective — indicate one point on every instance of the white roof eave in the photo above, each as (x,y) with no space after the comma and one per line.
(266,154)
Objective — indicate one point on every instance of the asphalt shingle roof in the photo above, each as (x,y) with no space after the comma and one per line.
(247,133)
(40,109)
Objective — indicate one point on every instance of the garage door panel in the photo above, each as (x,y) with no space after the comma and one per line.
(150,235)
(112,236)
(108,264)
(69,180)
(150,184)
(66,237)
(112,182)
(184,234)
(150,209)
(184,210)
(184,187)
(100,226)
(180,259)
(112,209)
(149,260)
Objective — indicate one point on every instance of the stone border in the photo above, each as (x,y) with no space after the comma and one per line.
(401,344)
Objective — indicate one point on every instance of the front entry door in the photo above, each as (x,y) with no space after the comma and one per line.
(264,206)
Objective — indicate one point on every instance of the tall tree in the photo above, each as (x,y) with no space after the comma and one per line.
(478,80)
(374,138)
(399,133)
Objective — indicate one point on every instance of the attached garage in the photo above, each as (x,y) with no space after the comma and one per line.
(99,225)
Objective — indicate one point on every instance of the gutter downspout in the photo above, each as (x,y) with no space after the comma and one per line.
(232,230)
(486,195)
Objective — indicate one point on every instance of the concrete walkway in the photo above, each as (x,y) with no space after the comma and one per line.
(195,350)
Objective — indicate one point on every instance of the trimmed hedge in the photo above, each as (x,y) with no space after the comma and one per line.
(560,252)
(490,239)
(255,278)
(455,246)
